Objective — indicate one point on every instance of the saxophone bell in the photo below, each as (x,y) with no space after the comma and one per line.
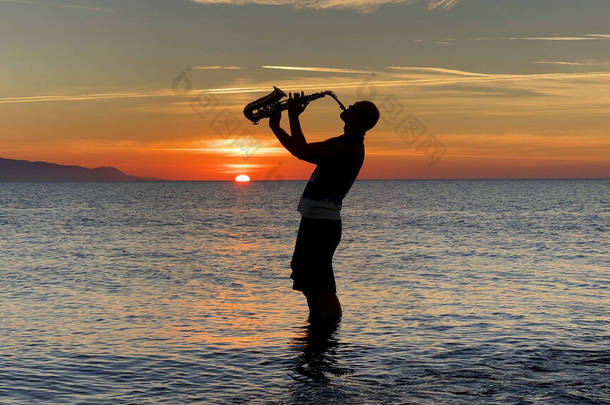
(264,106)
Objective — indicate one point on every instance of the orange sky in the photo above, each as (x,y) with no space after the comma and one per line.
(430,137)
(476,100)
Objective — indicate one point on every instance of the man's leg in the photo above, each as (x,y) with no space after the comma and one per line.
(314,306)
(329,304)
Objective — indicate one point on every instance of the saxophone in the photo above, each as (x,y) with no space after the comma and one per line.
(269,104)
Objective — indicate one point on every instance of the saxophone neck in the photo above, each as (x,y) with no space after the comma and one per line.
(331,93)
(315,96)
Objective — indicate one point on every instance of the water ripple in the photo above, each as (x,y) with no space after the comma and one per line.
(478,292)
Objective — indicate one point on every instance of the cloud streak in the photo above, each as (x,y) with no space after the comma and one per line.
(560,38)
(227,147)
(61,5)
(214,67)
(582,38)
(413,77)
(432,4)
(363,6)
(438,70)
(316,69)
(559,62)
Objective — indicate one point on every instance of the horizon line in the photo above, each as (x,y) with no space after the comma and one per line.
(263,180)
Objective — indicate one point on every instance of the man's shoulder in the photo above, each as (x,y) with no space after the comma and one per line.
(332,150)
(334,139)
(344,140)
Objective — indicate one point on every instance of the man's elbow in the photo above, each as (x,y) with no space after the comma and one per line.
(306,157)
(299,152)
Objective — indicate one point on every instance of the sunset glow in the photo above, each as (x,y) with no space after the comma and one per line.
(465,89)
(429,198)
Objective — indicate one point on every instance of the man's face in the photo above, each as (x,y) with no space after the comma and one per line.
(349,114)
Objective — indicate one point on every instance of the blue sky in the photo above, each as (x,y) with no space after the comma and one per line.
(52,44)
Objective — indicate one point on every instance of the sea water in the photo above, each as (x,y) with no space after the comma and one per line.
(477,292)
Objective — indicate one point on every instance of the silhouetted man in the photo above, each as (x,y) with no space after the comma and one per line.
(338,161)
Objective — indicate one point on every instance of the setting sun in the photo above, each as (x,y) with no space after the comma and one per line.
(242,178)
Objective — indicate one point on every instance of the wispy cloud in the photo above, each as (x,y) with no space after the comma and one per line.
(363,6)
(559,62)
(18,1)
(86,97)
(394,76)
(84,7)
(243,165)
(432,4)
(438,70)
(317,69)
(240,167)
(214,67)
(61,5)
(229,147)
(560,38)
(585,37)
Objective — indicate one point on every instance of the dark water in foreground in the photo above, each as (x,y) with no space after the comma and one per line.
(477,292)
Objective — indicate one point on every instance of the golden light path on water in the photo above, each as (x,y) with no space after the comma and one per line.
(182,289)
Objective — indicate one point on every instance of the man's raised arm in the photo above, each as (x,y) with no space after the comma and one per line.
(295,107)
(297,145)
(317,152)
(284,138)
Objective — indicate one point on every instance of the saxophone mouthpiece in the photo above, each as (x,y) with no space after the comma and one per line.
(332,94)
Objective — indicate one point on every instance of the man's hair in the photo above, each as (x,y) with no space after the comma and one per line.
(368,114)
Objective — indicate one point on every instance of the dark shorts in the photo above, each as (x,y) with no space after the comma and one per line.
(311,264)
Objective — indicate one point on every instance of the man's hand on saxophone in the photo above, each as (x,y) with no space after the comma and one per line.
(295,144)
(296,103)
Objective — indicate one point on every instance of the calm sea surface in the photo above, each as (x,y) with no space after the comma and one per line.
(465,292)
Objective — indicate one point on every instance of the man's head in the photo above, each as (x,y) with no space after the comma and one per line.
(360,116)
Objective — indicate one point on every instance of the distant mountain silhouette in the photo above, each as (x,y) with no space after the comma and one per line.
(24,170)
